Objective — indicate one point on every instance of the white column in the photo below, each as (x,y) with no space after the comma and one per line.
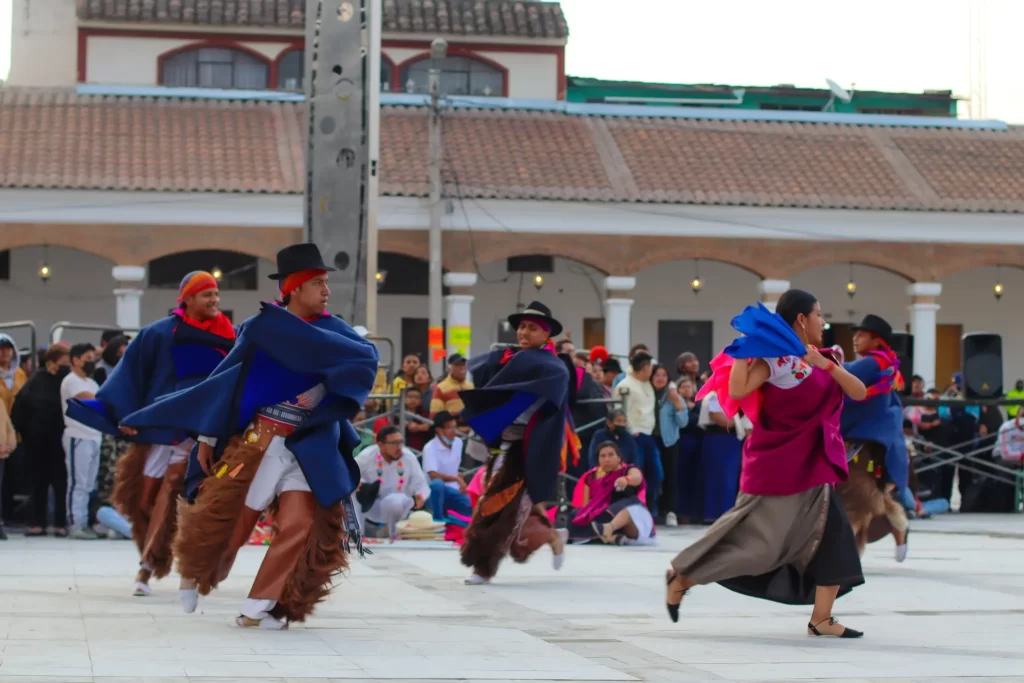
(923,310)
(459,312)
(129,298)
(771,290)
(617,307)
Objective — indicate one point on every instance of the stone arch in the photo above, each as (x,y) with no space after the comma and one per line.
(261,243)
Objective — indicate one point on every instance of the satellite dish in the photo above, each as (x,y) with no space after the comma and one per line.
(838,91)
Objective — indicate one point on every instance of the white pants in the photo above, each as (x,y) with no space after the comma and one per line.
(279,471)
(82,459)
(390,510)
(160,456)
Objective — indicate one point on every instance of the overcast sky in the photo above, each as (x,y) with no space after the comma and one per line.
(908,45)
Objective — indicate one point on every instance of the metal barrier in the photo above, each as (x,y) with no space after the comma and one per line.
(33,346)
(971,455)
(57,329)
(390,365)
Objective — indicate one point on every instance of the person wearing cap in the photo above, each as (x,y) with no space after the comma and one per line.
(442,456)
(446,392)
(274,421)
(522,411)
(171,354)
(873,431)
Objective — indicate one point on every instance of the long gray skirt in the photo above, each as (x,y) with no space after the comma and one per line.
(777,548)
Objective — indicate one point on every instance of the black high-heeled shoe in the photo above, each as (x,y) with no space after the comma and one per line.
(847,632)
(673,610)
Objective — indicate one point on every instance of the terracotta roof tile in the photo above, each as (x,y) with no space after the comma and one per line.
(56,139)
(520,18)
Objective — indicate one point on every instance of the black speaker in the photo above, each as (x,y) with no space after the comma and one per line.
(903,347)
(982,365)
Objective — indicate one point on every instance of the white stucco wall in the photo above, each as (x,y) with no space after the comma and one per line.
(44,47)
(530,75)
(81,289)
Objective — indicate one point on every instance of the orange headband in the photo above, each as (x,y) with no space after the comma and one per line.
(194,283)
(296,280)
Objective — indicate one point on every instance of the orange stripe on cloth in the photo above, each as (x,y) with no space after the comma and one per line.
(490,505)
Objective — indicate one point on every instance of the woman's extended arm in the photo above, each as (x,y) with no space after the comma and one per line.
(850,385)
(634,477)
(746,378)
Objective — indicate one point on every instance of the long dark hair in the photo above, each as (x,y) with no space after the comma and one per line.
(793,303)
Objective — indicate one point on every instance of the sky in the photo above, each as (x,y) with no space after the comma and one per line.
(903,45)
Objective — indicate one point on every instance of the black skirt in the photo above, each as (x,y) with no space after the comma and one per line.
(836,562)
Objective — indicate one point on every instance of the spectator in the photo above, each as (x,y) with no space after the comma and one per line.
(425,383)
(406,377)
(917,386)
(39,417)
(581,360)
(1015,394)
(641,419)
(8,442)
(721,453)
(417,432)
(441,459)
(688,366)
(12,377)
(366,436)
(672,415)
(616,432)
(446,394)
(609,502)
(392,474)
(637,348)
(112,352)
(690,501)
(565,346)
(597,372)
(81,443)
(611,369)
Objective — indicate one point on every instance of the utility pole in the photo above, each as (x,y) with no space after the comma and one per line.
(435,332)
(337,153)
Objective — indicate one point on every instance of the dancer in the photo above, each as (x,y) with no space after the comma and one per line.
(174,353)
(522,409)
(273,421)
(787,538)
(875,445)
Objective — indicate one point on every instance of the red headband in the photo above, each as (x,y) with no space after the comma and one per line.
(296,280)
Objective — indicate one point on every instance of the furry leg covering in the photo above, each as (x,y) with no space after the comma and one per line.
(128,494)
(163,525)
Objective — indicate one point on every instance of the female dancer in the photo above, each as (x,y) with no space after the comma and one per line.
(787,538)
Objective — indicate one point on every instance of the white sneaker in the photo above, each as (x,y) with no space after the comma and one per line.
(671,519)
(476,580)
(189,598)
(142,590)
(267,623)
(116,535)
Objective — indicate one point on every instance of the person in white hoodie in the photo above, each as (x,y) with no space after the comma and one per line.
(641,403)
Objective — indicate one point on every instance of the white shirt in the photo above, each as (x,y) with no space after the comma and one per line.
(443,459)
(787,371)
(401,476)
(72,386)
(640,404)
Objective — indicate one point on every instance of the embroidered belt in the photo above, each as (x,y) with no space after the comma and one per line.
(264,428)
(289,415)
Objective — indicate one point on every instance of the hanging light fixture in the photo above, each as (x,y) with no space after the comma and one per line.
(538,281)
(998,290)
(851,286)
(382,276)
(217,274)
(44,269)
(696,284)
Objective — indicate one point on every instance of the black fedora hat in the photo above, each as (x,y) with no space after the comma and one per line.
(298,257)
(536,310)
(877,326)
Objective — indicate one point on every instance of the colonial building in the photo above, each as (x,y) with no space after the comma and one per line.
(614,213)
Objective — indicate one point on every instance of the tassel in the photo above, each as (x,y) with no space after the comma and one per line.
(352,533)
(871,466)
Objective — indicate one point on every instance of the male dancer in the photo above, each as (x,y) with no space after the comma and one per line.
(174,353)
(273,421)
(873,431)
(522,408)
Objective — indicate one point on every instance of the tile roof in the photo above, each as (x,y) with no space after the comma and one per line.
(518,18)
(57,139)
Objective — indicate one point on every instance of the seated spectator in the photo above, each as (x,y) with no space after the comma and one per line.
(441,459)
(417,432)
(366,436)
(393,474)
(425,383)
(446,393)
(616,432)
(610,502)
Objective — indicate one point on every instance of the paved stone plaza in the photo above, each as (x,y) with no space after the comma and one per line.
(954,611)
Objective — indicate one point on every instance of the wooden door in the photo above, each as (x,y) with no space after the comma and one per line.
(947,353)
(678,336)
(593,332)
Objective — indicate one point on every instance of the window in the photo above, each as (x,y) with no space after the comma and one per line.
(5,264)
(290,70)
(403,274)
(459,76)
(387,70)
(215,67)
(238,270)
